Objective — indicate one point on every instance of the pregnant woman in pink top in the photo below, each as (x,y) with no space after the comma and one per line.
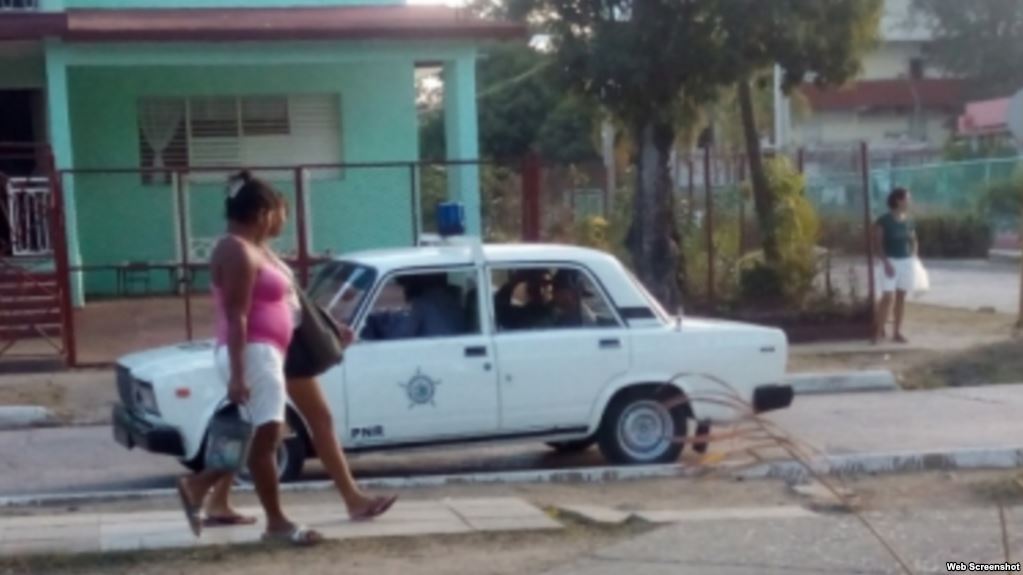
(254,318)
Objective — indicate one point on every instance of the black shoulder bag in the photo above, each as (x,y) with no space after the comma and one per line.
(316,343)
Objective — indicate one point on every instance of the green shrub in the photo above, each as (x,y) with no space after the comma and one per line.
(789,280)
(953,236)
(1001,201)
(592,232)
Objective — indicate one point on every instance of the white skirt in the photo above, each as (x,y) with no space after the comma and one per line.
(910,276)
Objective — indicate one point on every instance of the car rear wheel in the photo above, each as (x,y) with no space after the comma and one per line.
(639,428)
(291,455)
(575,446)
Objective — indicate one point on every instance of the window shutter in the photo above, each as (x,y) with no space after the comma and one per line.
(265,116)
(214,132)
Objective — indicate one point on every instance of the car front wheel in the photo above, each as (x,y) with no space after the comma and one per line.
(639,428)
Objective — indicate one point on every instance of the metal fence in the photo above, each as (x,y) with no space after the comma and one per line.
(144,236)
(975,187)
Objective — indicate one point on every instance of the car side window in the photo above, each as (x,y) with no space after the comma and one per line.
(424,304)
(541,298)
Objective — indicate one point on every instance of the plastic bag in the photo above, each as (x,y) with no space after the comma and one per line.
(921,279)
(228,442)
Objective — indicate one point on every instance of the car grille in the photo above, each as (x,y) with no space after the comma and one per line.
(125,386)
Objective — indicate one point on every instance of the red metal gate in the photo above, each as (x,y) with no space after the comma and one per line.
(36,317)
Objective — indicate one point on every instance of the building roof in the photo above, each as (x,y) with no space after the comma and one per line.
(895,93)
(397,22)
(986,117)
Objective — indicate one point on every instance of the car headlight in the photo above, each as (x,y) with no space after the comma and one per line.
(145,397)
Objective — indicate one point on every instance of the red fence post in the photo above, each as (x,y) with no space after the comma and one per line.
(531,198)
(742,206)
(186,272)
(301,227)
(865,173)
(709,219)
(60,253)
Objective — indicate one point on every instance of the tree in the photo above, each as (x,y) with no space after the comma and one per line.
(823,40)
(652,63)
(522,108)
(643,62)
(980,40)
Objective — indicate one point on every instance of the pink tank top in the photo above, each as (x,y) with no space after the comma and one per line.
(270,318)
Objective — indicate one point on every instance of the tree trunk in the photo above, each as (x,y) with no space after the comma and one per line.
(763,200)
(654,241)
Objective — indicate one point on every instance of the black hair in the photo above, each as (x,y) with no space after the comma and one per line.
(248,197)
(897,196)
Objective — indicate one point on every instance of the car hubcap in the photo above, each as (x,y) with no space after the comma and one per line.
(645,430)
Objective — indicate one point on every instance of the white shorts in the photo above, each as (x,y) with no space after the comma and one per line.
(904,279)
(264,376)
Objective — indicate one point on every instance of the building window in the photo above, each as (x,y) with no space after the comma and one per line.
(237,131)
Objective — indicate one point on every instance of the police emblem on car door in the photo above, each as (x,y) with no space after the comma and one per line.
(421,389)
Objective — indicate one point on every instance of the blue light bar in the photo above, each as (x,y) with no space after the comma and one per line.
(450,219)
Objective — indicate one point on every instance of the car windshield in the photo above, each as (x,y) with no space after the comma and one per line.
(341,288)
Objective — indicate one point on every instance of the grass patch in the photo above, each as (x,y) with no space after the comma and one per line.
(983,365)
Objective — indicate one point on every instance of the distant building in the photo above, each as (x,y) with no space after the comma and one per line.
(985,122)
(901,101)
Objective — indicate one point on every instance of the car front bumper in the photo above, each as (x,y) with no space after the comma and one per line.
(772,397)
(131,430)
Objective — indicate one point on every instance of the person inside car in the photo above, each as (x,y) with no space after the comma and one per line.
(435,306)
(532,308)
(569,310)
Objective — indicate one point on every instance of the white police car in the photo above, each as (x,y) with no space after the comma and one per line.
(465,343)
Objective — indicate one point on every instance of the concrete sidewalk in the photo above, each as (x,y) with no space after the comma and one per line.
(812,543)
(82,533)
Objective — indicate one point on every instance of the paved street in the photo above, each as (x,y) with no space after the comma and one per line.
(87,459)
(973,285)
(816,543)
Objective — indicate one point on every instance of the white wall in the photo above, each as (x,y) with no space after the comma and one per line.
(844,127)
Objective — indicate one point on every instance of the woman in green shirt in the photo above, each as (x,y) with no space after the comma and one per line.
(896,245)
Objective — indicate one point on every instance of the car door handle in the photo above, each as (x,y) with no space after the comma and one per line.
(476,351)
(613,343)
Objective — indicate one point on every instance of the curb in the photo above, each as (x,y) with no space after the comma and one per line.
(1010,457)
(894,462)
(842,382)
(575,476)
(25,416)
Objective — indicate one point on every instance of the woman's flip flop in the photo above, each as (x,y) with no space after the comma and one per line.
(298,536)
(190,508)
(379,506)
